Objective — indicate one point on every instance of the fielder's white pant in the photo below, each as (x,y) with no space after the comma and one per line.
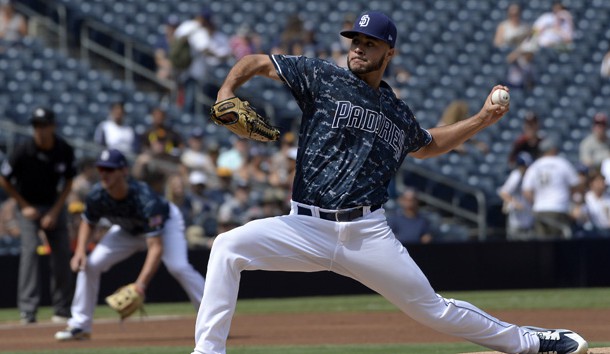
(365,250)
(116,246)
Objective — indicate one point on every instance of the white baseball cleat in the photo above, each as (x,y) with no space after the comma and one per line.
(72,333)
(559,341)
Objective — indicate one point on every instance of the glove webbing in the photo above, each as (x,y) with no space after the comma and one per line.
(261,127)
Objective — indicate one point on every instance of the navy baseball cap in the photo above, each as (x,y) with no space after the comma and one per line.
(42,115)
(374,24)
(111,158)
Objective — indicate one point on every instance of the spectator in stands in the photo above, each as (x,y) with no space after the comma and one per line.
(9,225)
(81,185)
(297,38)
(164,65)
(605,68)
(245,41)
(38,175)
(199,42)
(235,157)
(223,190)
(209,48)
(455,112)
(84,180)
(292,167)
(408,223)
(256,169)
(309,44)
(272,203)
(594,214)
(178,193)
(549,183)
(236,206)
(401,76)
(160,136)
(205,210)
(195,156)
(13,26)
(113,133)
(511,32)
(584,172)
(283,167)
(160,155)
(154,166)
(595,147)
(554,29)
(528,141)
(521,71)
(196,238)
(340,48)
(280,162)
(520,218)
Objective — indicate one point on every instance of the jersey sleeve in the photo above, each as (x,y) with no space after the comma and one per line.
(155,209)
(156,212)
(299,73)
(417,137)
(92,214)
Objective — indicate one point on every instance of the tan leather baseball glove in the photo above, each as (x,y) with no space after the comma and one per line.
(126,300)
(240,118)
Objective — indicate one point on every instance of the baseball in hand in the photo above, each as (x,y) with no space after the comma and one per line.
(500,97)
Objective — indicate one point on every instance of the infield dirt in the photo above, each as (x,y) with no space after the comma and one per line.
(294,329)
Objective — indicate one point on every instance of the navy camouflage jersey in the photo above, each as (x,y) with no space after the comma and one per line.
(141,212)
(353,138)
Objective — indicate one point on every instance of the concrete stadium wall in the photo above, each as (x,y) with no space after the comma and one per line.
(449,266)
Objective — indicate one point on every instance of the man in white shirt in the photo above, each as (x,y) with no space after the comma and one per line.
(549,183)
(209,48)
(520,218)
(594,214)
(554,29)
(113,134)
(595,148)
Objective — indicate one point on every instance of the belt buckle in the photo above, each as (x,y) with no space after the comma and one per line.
(348,215)
(336,215)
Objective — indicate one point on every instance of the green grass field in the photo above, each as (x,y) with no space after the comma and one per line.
(488,300)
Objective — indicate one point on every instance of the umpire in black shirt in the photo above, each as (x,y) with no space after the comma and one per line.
(38,174)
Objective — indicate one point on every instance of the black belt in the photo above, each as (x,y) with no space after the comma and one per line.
(339,215)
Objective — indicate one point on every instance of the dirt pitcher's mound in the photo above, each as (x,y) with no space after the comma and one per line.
(290,329)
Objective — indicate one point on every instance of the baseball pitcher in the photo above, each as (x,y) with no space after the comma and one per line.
(354,135)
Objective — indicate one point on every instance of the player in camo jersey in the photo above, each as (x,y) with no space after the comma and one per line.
(354,136)
(142,220)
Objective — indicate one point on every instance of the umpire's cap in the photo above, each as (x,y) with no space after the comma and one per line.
(374,24)
(111,158)
(42,115)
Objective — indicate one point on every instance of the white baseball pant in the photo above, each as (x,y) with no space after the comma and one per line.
(365,250)
(118,245)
